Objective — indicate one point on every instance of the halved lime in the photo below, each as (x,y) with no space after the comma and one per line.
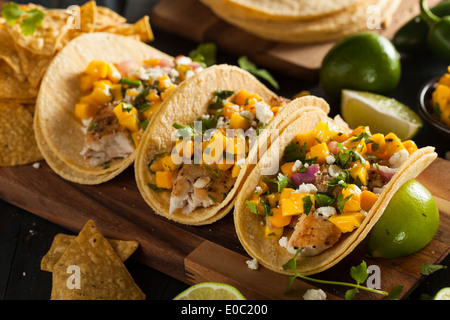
(210,291)
(380,113)
(408,224)
(443,294)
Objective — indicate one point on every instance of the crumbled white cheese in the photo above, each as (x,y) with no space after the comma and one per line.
(258,189)
(246,114)
(283,242)
(262,112)
(206,116)
(183,60)
(330,159)
(36,165)
(222,122)
(252,264)
(334,170)
(398,158)
(240,162)
(297,165)
(325,212)
(315,294)
(189,74)
(306,188)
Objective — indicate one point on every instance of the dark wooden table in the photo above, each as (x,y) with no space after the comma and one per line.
(25,237)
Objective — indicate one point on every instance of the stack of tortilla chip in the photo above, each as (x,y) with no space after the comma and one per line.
(304,21)
(90,267)
(25,58)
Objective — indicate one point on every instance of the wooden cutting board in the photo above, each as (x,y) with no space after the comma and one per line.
(193,20)
(206,253)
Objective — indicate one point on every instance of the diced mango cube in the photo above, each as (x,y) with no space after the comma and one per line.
(273,199)
(168,163)
(294,205)
(244,98)
(273,232)
(165,179)
(359,171)
(368,199)
(136,138)
(239,122)
(131,123)
(286,169)
(410,146)
(393,144)
(86,82)
(85,110)
(153,96)
(308,138)
(347,222)
(150,112)
(125,110)
(353,193)
(97,69)
(277,219)
(319,151)
(166,92)
(235,171)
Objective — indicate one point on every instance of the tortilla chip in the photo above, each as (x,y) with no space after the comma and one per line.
(106,18)
(141,29)
(124,250)
(47,38)
(11,87)
(88,15)
(17,139)
(102,275)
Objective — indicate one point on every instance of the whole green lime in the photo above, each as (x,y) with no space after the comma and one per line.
(408,224)
(363,61)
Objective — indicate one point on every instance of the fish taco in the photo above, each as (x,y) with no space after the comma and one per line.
(95,104)
(199,148)
(331,185)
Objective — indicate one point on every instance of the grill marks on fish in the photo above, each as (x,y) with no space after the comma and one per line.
(313,235)
(198,187)
(106,139)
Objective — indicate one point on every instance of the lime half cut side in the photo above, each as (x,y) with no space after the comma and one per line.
(380,113)
(443,294)
(210,291)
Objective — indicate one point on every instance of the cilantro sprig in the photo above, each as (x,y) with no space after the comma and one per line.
(205,54)
(246,64)
(358,273)
(31,19)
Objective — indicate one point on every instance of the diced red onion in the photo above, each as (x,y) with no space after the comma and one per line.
(125,66)
(387,173)
(309,176)
(333,147)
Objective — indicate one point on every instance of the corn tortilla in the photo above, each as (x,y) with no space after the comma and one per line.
(190,102)
(59,130)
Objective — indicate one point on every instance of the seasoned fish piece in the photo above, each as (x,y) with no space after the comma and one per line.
(313,234)
(196,186)
(106,139)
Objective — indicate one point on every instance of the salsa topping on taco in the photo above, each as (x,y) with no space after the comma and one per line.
(204,164)
(329,179)
(118,102)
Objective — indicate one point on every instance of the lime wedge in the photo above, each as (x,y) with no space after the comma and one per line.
(380,113)
(443,294)
(210,291)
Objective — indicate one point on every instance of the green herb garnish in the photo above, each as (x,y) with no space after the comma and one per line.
(358,273)
(246,64)
(31,19)
(205,54)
